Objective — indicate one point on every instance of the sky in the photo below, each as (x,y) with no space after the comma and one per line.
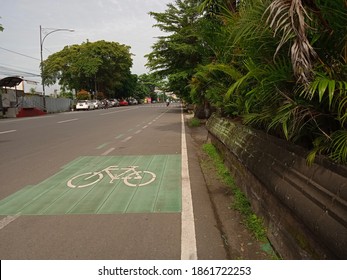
(123,21)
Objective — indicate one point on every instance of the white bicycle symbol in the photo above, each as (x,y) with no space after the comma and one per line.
(130,176)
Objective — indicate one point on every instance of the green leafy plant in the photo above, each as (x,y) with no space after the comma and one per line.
(194,122)
(280,66)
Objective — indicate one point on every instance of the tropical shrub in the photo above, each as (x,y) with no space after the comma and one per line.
(287,71)
(280,65)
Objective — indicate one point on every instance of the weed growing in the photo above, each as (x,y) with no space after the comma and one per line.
(194,122)
(240,203)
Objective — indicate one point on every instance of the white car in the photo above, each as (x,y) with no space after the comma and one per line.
(83,105)
(96,104)
(91,105)
(132,101)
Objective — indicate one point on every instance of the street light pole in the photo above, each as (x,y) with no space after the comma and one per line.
(42,39)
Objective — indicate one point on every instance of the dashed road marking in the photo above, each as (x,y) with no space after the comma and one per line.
(8,131)
(66,121)
(127,139)
(118,111)
(9,219)
(102,146)
(108,151)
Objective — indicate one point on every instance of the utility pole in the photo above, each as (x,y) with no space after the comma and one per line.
(42,39)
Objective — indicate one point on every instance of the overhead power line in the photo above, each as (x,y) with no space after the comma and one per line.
(11,71)
(19,53)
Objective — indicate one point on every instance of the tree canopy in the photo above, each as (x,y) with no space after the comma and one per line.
(176,55)
(146,84)
(98,66)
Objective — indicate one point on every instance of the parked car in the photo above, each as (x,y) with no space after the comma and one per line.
(114,102)
(83,105)
(132,101)
(123,103)
(91,105)
(96,103)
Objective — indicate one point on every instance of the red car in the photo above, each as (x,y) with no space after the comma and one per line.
(123,103)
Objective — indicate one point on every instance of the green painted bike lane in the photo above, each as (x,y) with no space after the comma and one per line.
(104,185)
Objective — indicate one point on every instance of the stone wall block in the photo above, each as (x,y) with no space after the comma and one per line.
(302,205)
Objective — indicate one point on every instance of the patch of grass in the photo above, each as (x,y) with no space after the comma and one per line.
(194,122)
(241,203)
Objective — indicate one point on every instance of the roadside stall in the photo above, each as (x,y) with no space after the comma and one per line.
(10,96)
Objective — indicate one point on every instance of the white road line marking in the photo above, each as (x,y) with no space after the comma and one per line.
(127,139)
(102,146)
(188,240)
(66,121)
(107,152)
(137,132)
(145,126)
(115,112)
(9,219)
(8,131)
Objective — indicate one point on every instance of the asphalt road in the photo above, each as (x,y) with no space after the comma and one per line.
(69,189)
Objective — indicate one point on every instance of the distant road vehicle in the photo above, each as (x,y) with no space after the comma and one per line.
(123,103)
(83,105)
(114,102)
(132,101)
(105,104)
(96,103)
(91,105)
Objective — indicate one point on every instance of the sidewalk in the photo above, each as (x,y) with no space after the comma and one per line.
(216,223)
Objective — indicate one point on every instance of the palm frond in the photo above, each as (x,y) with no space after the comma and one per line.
(288,18)
(339,146)
(335,146)
(231,71)
(342,111)
(328,91)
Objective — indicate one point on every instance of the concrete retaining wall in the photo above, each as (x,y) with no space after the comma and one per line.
(304,208)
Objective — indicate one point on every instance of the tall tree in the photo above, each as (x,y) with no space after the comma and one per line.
(216,7)
(176,55)
(147,83)
(99,66)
